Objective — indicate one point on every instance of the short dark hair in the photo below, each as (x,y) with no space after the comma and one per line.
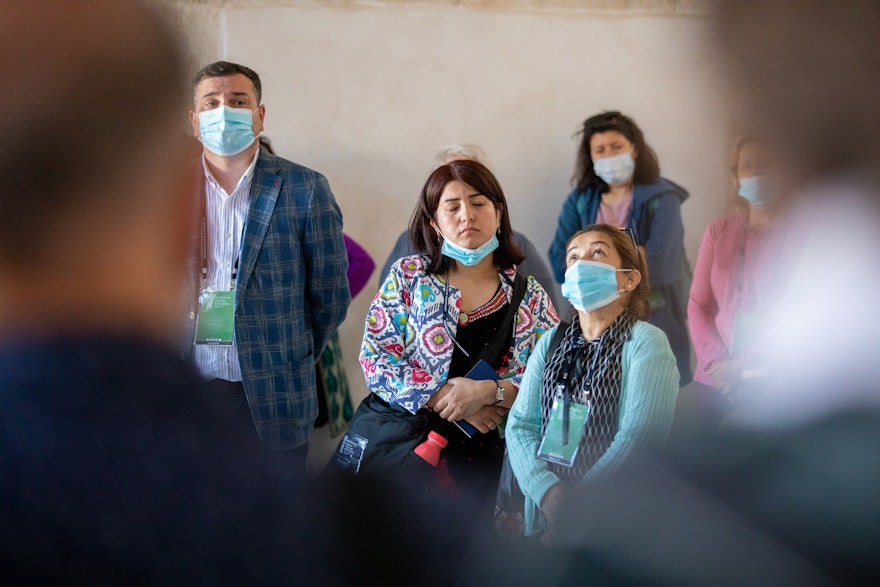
(630,258)
(227,68)
(425,239)
(647,167)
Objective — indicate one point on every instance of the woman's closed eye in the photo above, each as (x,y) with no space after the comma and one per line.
(598,253)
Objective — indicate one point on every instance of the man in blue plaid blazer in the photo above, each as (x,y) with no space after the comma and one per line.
(271,239)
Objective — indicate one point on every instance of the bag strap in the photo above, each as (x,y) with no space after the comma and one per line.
(494,347)
(558,334)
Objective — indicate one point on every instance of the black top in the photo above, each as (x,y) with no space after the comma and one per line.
(473,337)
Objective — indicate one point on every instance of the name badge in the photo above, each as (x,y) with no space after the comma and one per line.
(216,320)
(560,445)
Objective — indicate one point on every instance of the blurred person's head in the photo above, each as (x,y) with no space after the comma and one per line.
(810,72)
(608,135)
(461,151)
(433,212)
(95,186)
(756,176)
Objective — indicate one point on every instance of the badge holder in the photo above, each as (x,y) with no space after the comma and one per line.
(562,439)
(215,324)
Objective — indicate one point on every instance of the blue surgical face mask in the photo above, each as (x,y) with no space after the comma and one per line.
(759,190)
(226,131)
(590,285)
(616,170)
(469,257)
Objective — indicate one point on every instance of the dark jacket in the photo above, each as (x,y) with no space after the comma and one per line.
(291,295)
(656,222)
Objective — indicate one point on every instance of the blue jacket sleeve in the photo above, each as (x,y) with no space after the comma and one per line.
(535,266)
(665,237)
(569,223)
(401,249)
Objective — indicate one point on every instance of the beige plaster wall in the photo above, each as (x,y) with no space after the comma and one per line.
(365,92)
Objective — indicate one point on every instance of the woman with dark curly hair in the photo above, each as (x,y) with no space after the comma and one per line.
(618,182)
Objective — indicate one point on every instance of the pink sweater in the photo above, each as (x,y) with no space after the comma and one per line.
(712,302)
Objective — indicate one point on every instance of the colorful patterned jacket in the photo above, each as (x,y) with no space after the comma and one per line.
(407,348)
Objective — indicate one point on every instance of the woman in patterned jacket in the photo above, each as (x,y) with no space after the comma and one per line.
(436,313)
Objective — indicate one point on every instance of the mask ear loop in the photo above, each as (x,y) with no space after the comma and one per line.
(626,288)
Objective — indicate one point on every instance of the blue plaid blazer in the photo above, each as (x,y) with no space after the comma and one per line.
(291,295)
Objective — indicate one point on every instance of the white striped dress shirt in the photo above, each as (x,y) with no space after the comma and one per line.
(226,215)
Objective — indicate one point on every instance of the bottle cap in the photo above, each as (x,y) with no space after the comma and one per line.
(437,438)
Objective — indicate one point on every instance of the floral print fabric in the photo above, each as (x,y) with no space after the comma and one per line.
(408,343)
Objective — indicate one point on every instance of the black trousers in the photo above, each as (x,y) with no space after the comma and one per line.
(230,396)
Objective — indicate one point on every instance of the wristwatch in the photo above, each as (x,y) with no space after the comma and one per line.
(499,393)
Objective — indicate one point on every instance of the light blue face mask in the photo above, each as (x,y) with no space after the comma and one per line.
(616,170)
(469,257)
(589,285)
(759,190)
(226,131)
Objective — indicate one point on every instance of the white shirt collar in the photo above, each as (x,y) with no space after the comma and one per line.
(245,177)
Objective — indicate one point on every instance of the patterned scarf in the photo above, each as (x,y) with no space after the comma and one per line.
(578,355)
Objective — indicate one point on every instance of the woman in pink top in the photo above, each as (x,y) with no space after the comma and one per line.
(736,277)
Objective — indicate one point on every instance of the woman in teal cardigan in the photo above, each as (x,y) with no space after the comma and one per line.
(608,363)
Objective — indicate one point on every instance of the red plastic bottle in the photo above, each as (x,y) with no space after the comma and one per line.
(430,449)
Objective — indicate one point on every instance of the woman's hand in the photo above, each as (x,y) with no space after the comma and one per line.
(725,374)
(487,418)
(465,398)
(438,396)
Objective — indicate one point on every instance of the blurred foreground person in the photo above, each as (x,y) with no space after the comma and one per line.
(741,269)
(787,494)
(113,470)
